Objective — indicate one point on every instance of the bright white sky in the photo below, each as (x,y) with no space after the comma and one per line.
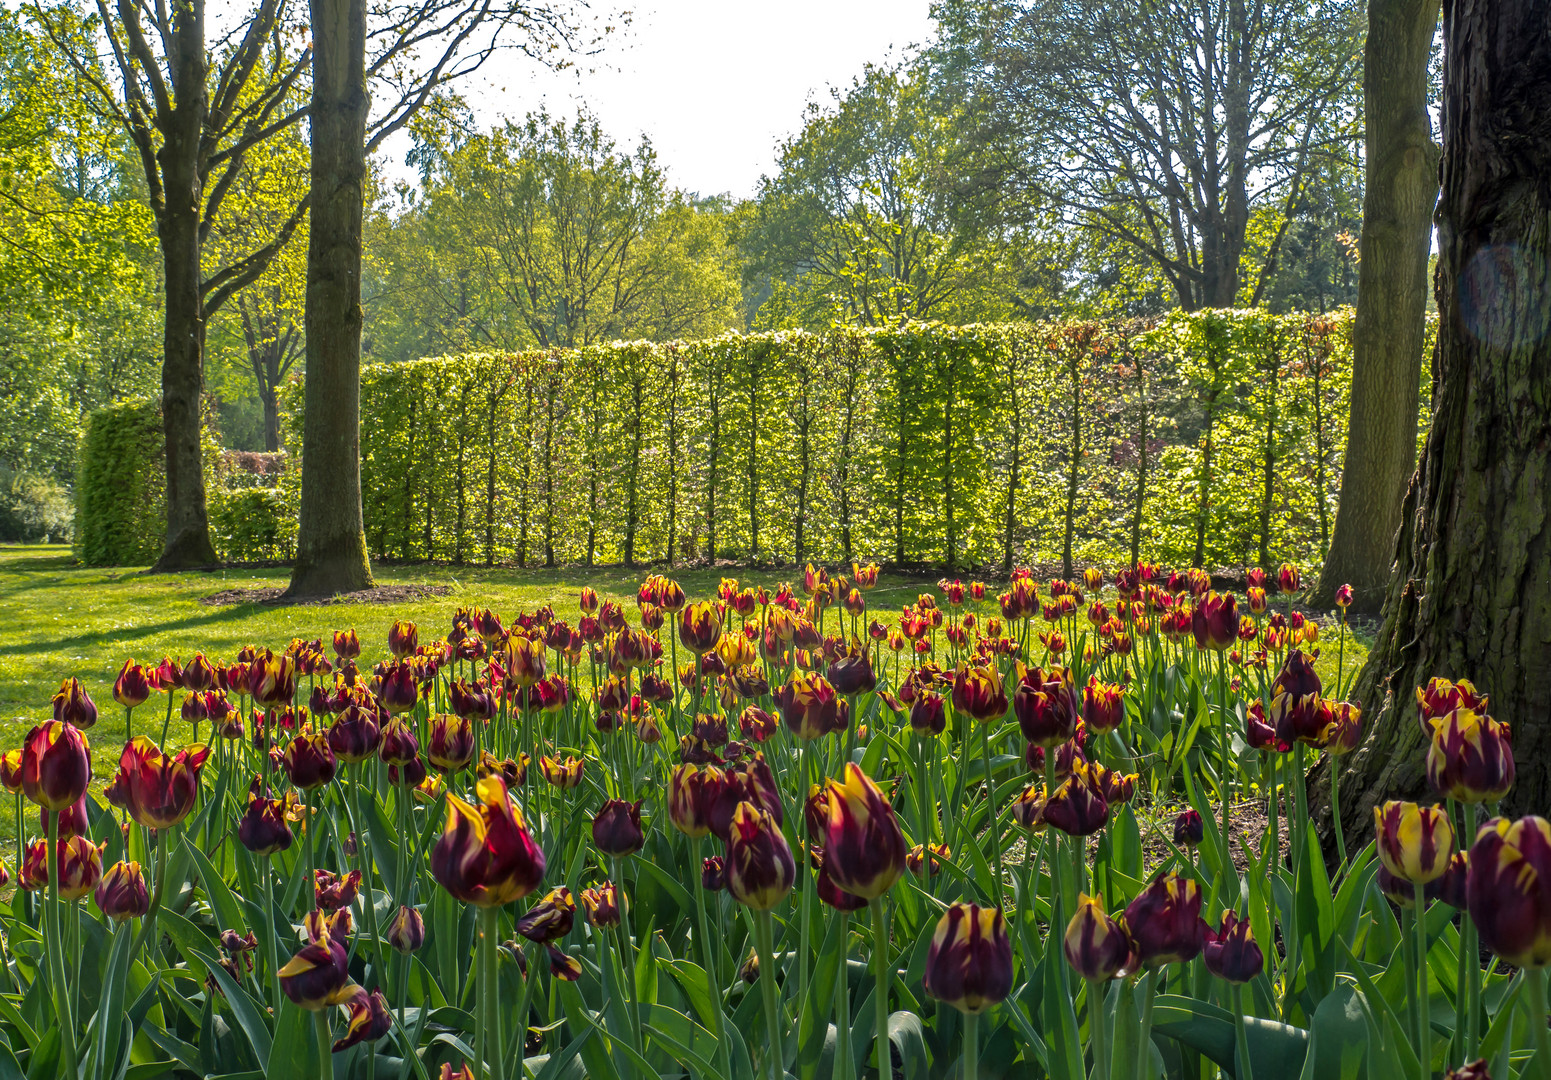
(715,84)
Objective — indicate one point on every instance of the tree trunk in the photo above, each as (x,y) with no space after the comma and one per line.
(1399,190)
(183,363)
(331,543)
(1471,594)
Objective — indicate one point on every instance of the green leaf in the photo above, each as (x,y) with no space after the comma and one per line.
(1278,1050)
(1338,1038)
(250,1015)
(908,1035)
(110,1011)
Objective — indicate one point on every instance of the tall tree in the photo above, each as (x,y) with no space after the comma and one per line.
(1400,192)
(417,47)
(193,114)
(1471,593)
(1167,125)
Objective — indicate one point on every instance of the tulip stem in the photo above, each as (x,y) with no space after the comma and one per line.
(996,839)
(56,961)
(271,939)
(763,945)
(320,1028)
(708,958)
(1241,1034)
(490,1018)
(971,1045)
(1423,1020)
(1536,979)
(1144,1049)
(844,1067)
(1335,809)
(880,948)
(1227,754)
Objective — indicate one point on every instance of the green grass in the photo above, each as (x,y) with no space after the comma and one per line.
(65,620)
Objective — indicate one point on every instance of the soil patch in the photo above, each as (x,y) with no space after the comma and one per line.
(382,594)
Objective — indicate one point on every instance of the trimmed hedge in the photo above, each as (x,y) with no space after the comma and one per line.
(933,445)
(120,486)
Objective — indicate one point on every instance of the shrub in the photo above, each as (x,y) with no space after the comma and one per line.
(33,509)
(120,486)
(253,524)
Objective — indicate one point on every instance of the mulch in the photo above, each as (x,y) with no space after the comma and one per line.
(275,597)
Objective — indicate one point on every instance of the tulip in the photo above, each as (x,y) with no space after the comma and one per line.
(411,774)
(11,770)
(616,829)
(759,865)
(811,707)
(700,627)
(406,932)
(749,781)
(1103,706)
(1288,579)
(471,701)
(159,790)
(1470,758)
(1231,952)
(369,1019)
(1507,891)
(567,774)
(1028,809)
(602,904)
(550,919)
(1189,829)
(978,692)
(1344,731)
(451,745)
(1165,921)
(1453,885)
(133,685)
(864,847)
(969,962)
(485,856)
(332,892)
(691,794)
(1215,622)
(122,892)
(399,745)
(309,761)
(272,679)
(1097,946)
(265,828)
(925,860)
(1414,842)
(72,821)
(1077,807)
(403,639)
(318,975)
(833,894)
(1441,697)
(713,874)
(73,705)
(1045,703)
(852,673)
(56,765)
(399,690)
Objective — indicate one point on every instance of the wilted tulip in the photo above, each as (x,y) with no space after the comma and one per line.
(122,893)
(266,826)
(369,1019)
(1097,947)
(616,828)
(925,860)
(406,933)
(602,904)
(73,705)
(1045,704)
(485,856)
(1507,891)
(759,865)
(1470,758)
(318,975)
(331,892)
(863,845)
(159,790)
(451,745)
(1230,952)
(309,761)
(1165,921)
(551,918)
(1414,842)
(969,962)
(56,765)
(567,774)
(1215,622)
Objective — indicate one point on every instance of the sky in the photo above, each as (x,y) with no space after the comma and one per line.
(715,84)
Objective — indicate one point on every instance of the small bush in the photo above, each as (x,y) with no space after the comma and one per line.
(121,486)
(34,509)
(252,524)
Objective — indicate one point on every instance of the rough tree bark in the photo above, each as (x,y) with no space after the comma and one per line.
(331,543)
(1471,595)
(1400,189)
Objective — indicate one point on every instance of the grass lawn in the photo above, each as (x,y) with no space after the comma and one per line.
(65,620)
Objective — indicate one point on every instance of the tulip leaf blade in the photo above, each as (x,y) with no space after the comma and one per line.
(249,1015)
(908,1035)
(1338,1038)
(1278,1050)
(111,1006)
(220,895)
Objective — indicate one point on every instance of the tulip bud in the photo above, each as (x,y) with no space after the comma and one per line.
(1470,758)
(811,707)
(1231,953)
(1097,947)
(73,705)
(1475,1070)
(969,962)
(122,893)
(928,715)
(691,791)
(56,765)
(1506,892)
(748,971)
(713,874)
(864,847)
(1215,622)
(759,865)
(602,904)
(310,762)
(451,744)
(616,829)
(1288,579)
(1189,829)
(1103,705)
(133,685)
(1414,842)
(1165,921)
(406,932)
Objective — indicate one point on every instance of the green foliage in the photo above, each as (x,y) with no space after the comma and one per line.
(253,524)
(925,444)
(120,486)
(33,509)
